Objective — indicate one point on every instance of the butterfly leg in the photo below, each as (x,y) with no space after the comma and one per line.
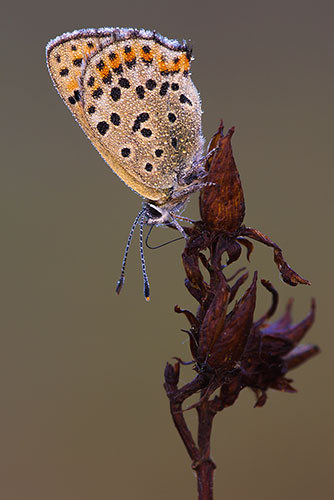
(198,171)
(208,156)
(184,192)
(178,226)
(185,219)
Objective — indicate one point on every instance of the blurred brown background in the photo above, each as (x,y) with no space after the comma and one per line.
(83,412)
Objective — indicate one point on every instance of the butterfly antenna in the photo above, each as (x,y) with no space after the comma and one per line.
(142,258)
(120,282)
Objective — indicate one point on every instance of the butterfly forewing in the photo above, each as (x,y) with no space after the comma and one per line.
(66,56)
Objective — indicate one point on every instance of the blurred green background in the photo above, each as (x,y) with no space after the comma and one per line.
(83,412)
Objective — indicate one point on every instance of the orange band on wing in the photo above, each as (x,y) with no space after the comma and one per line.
(72,85)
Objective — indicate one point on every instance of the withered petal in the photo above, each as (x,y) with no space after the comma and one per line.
(194,291)
(283,323)
(214,319)
(248,244)
(240,281)
(189,315)
(299,355)
(204,261)
(273,306)
(289,276)
(229,390)
(195,282)
(232,338)
(261,398)
(233,252)
(275,344)
(234,275)
(218,246)
(287,336)
(297,332)
(193,339)
(191,265)
(193,333)
(283,384)
(172,374)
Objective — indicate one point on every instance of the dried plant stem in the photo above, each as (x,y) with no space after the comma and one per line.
(205,466)
(176,398)
(199,453)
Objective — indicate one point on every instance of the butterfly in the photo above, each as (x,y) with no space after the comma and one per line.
(130,91)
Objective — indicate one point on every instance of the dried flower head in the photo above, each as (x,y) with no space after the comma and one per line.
(230,349)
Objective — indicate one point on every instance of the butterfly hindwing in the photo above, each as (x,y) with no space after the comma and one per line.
(131,93)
